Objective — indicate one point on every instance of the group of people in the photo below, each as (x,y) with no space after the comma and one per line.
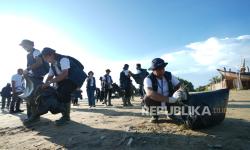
(67,74)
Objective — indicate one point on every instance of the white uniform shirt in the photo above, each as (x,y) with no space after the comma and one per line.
(19,82)
(162,85)
(36,53)
(64,64)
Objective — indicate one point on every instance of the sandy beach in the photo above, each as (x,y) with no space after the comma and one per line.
(126,128)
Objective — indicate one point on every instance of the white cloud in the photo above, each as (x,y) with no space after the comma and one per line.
(204,57)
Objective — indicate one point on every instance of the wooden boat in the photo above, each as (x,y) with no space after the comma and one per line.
(229,75)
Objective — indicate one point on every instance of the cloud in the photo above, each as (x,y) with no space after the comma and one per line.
(204,57)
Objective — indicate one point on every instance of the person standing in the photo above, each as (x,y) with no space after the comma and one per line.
(126,85)
(6,94)
(107,81)
(17,82)
(139,78)
(68,74)
(91,87)
(37,68)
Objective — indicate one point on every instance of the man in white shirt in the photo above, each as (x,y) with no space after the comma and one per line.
(68,74)
(160,86)
(17,82)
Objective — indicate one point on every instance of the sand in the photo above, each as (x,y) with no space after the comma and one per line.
(126,128)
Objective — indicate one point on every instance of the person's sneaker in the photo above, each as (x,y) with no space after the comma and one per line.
(110,105)
(19,110)
(130,104)
(31,120)
(154,119)
(62,121)
(12,112)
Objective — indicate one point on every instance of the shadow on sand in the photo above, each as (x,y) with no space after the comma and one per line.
(76,135)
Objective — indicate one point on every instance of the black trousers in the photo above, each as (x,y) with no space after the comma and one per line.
(141,90)
(64,90)
(15,103)
(4,101)
(108,94)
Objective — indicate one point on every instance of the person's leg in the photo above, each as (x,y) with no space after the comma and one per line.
(64,90)
(93,97)
(129,97)
(3,102)
(18,102)
(28,110)
(152,109)
(13,103)
(76,101)
(141,91)
(89,97)
(109,97)
(106,94)
(8,102)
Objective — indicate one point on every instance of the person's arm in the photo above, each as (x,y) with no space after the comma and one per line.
(156,96)
(49,78)
(38,63)
(60,77)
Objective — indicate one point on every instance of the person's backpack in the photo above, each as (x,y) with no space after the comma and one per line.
(76,62)
(144,73)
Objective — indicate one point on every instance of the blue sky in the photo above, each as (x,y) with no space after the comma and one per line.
(132,31)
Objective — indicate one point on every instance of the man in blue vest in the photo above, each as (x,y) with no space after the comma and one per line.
(68,74)
(107,82)
(37,68)
(160,86)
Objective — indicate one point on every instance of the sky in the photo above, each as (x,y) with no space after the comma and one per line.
(195,37)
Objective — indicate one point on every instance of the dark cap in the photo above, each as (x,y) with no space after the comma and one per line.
(48,51)
(138,66)
(26,42)
(157,63)
(91,72)
(107,70)
(125,66)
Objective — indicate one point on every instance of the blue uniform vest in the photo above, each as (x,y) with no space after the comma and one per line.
(42,70)
(75,72)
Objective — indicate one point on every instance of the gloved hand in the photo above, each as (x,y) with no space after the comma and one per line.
(177,97)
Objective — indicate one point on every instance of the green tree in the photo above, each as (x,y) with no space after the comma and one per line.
(189,85)
(201,88)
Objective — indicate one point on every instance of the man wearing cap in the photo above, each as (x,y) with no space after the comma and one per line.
(38,68)
(68,74)
(107,81)
(126,85)
(160,86)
